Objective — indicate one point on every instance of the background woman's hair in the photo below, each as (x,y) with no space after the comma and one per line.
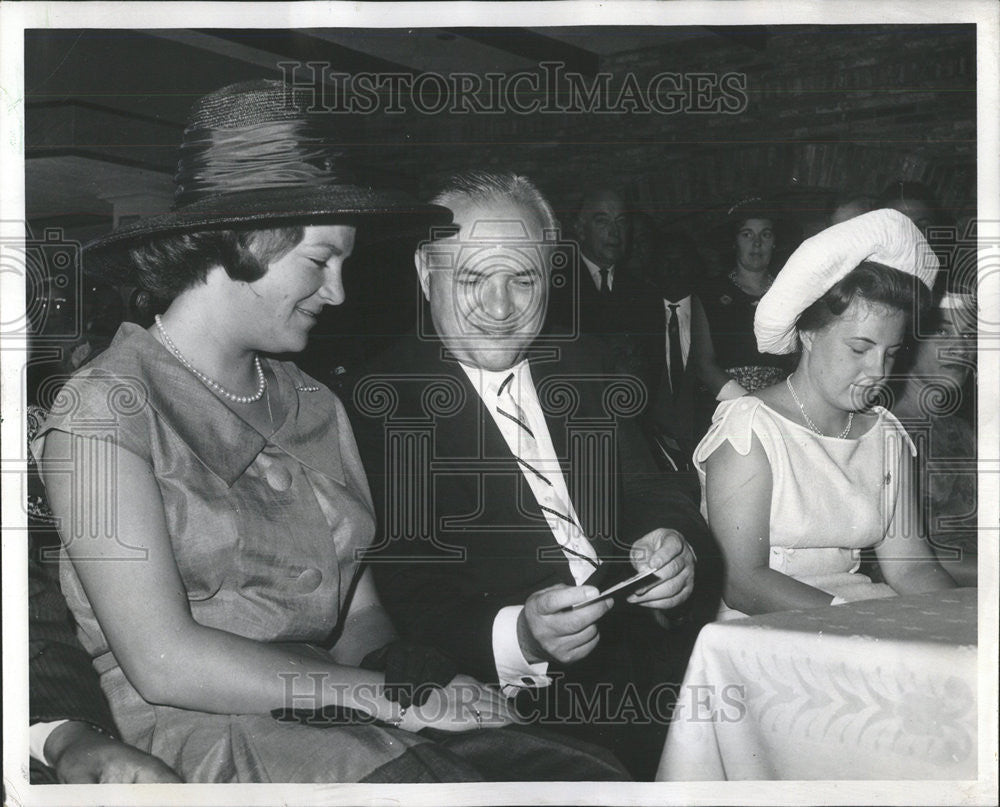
(874,282)
(169,264)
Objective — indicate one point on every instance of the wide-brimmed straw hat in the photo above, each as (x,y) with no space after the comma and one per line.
(882,236)
(251,155)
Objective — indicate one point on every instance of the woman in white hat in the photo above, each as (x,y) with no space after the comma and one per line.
(213,505)
(800,477)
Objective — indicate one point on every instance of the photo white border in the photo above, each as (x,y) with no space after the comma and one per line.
(107,15)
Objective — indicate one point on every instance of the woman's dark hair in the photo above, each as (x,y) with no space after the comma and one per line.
(875,283)
(167,265)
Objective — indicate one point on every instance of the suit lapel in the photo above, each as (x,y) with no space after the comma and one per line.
(471,435)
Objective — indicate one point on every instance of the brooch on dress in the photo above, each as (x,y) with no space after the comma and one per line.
(304,388)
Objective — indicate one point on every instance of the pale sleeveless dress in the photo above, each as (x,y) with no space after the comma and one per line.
(831,497)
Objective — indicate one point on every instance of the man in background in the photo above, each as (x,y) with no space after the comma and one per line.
(607,299)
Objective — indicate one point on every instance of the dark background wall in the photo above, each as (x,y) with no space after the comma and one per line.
(828,109)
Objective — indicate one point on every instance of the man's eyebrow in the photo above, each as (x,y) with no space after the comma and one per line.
(477,272)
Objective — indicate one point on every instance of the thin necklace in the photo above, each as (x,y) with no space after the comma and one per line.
(764,286)
(241,399)
(808,420)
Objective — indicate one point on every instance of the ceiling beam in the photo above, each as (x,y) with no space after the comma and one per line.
(534,47)
(749,36)
(299,46)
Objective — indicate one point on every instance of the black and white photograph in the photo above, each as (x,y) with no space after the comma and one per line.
(485,403)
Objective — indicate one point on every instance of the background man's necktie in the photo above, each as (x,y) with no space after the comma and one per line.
(674,348)
(604,281)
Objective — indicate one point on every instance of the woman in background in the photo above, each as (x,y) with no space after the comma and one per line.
(724,352)
(927,404)
(800,477)
(914,200)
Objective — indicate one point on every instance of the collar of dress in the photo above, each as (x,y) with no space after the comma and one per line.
(225,443)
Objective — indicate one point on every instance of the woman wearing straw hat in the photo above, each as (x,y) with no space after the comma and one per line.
(800,477)
(215,508)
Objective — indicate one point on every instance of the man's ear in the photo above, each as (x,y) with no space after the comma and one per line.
(423,274)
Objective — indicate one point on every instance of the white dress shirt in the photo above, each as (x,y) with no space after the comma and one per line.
(514,672)
(595,273)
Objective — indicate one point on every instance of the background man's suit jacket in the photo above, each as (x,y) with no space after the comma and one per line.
(629,319)
(62,683)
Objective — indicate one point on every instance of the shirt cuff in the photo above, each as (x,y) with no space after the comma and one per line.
(731,389)
(38,733)
(514,671)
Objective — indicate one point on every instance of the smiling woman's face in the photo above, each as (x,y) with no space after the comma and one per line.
(280,308)
(950,351)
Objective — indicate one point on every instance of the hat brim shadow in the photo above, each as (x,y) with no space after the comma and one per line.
(378,214)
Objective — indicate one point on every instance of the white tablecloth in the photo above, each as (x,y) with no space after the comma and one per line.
(882,689)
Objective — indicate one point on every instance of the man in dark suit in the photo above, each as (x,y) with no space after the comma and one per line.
(71,726)
(608,298)
(512,483)
(674,264)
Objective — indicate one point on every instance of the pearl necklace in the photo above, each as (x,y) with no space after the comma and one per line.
(242,399)
(748,292)
(808,420)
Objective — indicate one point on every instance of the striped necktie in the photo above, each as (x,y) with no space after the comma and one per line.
(537,470)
